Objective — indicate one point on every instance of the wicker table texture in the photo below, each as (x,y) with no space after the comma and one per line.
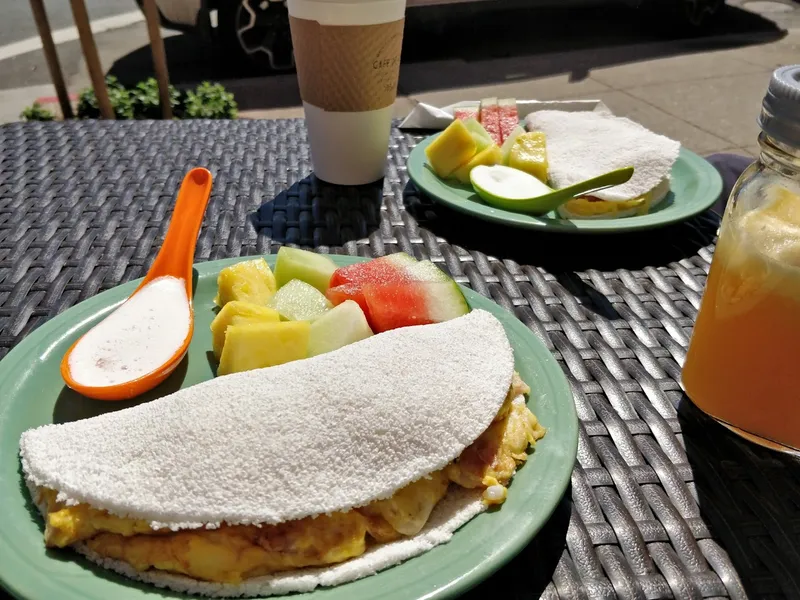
(663,502)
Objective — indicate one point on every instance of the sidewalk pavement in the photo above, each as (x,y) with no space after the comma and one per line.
(708,101)
(14,100)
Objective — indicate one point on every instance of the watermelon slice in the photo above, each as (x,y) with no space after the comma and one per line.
(346,282)
(508,116)
(408,303)
(393,267)
(490,119)
(349,291)
(466,112)
(397,285)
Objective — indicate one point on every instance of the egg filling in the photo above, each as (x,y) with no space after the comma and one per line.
(591,206)
(234,553)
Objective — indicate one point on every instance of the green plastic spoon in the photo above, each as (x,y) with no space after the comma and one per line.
(517,191)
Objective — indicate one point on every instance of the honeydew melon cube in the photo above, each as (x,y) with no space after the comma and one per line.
(299,301)
(342,325)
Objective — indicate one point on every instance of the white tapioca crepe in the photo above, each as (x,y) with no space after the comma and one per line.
(582,145)
(321,435)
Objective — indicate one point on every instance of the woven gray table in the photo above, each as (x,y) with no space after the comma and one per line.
(663,504)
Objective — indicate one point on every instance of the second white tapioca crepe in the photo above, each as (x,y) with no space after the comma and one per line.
(321,435)
(584,144)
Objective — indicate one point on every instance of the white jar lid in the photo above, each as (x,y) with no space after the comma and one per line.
(780,111)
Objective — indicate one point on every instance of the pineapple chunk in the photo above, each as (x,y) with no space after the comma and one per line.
(238,312)
(529,154)
(491,155)
(454,147)
(251,281)
(260,345)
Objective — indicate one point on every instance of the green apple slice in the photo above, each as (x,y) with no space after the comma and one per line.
(500,185)
(515,190)
(342,325)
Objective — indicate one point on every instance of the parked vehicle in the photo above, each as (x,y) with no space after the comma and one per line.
(255,30)
(258,30)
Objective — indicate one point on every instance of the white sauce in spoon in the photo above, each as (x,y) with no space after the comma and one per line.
(137,338)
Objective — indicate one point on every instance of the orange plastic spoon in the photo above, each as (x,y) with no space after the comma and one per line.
(174,259)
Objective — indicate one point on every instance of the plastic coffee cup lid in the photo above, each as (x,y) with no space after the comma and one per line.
(780,111)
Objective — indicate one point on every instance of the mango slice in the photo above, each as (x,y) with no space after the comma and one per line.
(250,281)
(238,312)
(260,345)
(529,154)
(454,147)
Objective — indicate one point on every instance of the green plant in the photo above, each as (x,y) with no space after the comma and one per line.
(37,112)
(207,101)
(147,103)
(120,98)
(210,101)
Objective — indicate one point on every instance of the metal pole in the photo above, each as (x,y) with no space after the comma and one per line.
(92,59)
(50,54)
(159,56)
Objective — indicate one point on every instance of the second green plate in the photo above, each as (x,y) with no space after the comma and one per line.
(694,186)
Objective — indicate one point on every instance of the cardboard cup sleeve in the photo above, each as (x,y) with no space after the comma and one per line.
(347,68)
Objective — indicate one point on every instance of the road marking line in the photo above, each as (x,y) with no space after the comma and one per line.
(54,99)
(69,34)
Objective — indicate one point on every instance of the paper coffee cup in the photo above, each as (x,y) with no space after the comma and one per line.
(348,63)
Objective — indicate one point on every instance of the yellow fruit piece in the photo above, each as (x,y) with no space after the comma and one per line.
(260,345)
(251,281)
(491,155)
(529,154)
(238,312)
(586,207)
(454,147)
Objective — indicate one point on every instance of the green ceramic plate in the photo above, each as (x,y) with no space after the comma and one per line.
(695,185)
(33,394)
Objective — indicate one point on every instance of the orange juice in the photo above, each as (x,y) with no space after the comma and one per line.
(743,365)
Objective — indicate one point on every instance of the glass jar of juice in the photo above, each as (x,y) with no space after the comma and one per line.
(743,364)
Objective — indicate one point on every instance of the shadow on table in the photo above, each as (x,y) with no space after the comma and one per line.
(563,252)
(748,496)
(72,406)
(532,569)
(315,213)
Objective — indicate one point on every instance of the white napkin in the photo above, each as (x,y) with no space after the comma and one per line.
(426,116)
(581,145)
